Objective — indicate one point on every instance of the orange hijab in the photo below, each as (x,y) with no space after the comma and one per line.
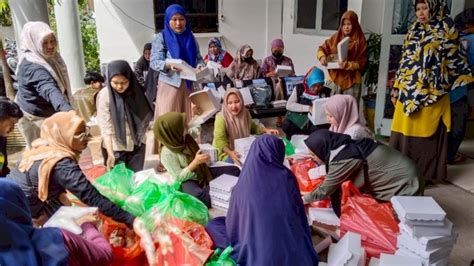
(357,51)
(56,143)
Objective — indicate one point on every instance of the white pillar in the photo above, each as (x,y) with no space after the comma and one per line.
(27,10)
(70,41)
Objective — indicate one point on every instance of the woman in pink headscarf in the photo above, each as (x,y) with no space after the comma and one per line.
(43,81)
(343,115)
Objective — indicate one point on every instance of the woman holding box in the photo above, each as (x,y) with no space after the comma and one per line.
(234,122)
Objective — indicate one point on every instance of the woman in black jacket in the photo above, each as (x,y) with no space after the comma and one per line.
(50,167)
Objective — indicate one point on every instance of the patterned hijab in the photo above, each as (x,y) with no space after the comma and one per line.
(431,64)
(238,126)
(169,129)
(357,51)
(32,37)
(220,56)
(59,134)
(239,69)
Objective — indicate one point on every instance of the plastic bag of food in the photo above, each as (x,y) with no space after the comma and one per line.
(116,185)
(221,258)
(142,198)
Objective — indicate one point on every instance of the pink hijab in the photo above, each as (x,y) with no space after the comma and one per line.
(344,109)
(32,37)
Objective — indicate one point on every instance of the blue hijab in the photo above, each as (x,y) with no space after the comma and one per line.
(266,222)
(180,45)
(220,56)
(20,242)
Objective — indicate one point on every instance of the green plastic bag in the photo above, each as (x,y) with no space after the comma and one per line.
(289,148)
(182,205)
(142,198)
(116,185)
(221,259)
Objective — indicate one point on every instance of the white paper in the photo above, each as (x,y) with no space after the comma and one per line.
(283,71)
(247,96)
(318,115)
(70,218)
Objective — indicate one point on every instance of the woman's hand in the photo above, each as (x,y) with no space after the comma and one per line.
(310,109)
(323,60)
(172,68)
(271,131)
(271,74)
(200,158)
(110,161)
(195,110)
(235,156)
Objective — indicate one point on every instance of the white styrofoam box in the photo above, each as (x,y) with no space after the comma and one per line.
(207,148)
(242,146)
(279,103)
(70,218)
(432,255)
(216,203)
(207,104)
(317,172)
(394,260)
(423,223)
(417,208)
(283,70)
(225,197)
(187,71)
(419,231)
(298,143)
(347,251)
(247,96)
(318,115)
(425,243)
(374,261)
(435,261)
(322,263)
(224,183)
(324,216)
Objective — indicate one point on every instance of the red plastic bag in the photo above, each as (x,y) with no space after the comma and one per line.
(374,221)
(93,173)
(300,169)
(131,256)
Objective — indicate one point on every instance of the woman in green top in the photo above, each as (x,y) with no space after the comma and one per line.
(234,122)
(182,159)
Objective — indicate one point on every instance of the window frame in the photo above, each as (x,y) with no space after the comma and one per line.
(319,20)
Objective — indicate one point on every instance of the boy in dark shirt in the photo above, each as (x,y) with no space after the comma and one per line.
(10,113)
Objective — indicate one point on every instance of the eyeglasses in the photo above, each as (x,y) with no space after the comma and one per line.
(84,135)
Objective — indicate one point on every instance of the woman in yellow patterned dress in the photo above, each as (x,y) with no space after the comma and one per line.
(431,66)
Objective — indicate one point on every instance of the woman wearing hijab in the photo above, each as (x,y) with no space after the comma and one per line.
(23,244)
(51,167)
(182,159)
(271,62)
(123,115)
(347,79)
(374,168)
(300,104)
(431,67)
(176,41)
(142,65)
(244,66)
(343,115)
(266,222)
(234,122)
(43,82)
(217,54)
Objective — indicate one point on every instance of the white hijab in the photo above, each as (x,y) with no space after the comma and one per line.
(32,37)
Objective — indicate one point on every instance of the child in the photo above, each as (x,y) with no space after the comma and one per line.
(85,97)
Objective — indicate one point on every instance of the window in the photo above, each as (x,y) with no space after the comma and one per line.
(319,16)
(202,14)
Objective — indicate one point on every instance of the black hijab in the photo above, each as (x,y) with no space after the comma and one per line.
(321,142)
(131,104)
(142,63)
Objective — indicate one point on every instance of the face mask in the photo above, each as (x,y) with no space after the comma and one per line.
(277,54)
(248,60)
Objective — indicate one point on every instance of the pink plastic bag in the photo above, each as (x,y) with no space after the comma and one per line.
(374,221)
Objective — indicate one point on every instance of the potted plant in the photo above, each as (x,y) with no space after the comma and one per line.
(371,76)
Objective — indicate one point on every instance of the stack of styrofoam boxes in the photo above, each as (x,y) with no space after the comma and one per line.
(347,252)
(425,232)
(392,260)
(221,190)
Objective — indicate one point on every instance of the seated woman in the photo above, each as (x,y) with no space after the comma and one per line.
(234,122)
(300,104)
(373,167)
(22,244)
(343,115)
(217,54)
(123,115)
(266,212)
(51,167)
(244,66)
(182,158)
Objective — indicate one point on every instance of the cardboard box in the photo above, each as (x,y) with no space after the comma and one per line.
(417,208)
(188,72)
(342,48)
(207,148)
(206,103)
(283,71)
(392,260)
(318,115)
(242,146)
(224,183)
